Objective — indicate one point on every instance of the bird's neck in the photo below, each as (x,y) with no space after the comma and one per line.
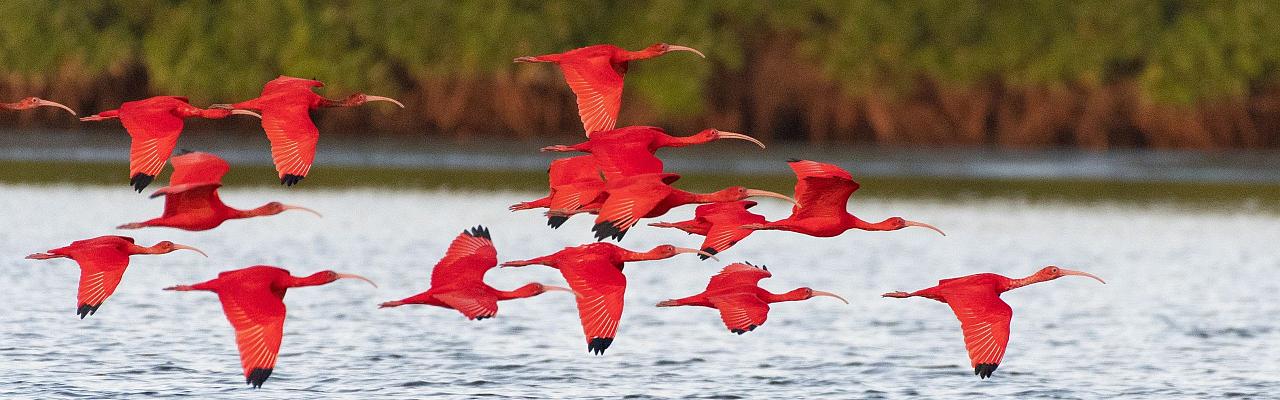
(793,295)
(857,223)
(1011,284)
(9,106)
(713,197)
(136,249)
(643,256)
(679,141)
(316,279)
(254,212)
(529,290)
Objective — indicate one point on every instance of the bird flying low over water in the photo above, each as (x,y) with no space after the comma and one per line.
(191,200)
(721,224)
(253,301)
(102,263)
(154,125)
(457,281)
(630,151)
(285,104)
(649,196)
(595,74)
(822,192)
(743,305)
(575,182)
(594,272)
(983,316)
(33,102)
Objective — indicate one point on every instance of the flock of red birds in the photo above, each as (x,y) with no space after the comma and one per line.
(620,180)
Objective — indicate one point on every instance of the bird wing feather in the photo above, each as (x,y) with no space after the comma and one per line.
(984,318)
(598,89)
(741,312)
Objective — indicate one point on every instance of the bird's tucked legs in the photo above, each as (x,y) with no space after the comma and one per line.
(181,288)
(559,148)
(132,225)
(390,304)
(900,295)
(43,256)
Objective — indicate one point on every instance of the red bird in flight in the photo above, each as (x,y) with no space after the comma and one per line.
(649,196)
(736,292)
(457,281)
(984,318)
(594,272)
(285,104)
(191,200)
(595,74)
(721,224)
(823,191)
(253,301)
(154,125)
(33,102)
(630,151)
(102,263)
(574,181)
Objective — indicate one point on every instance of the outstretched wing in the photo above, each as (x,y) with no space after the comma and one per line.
(626,205)
(469,256)
(154,132)
(472,302)
(822,190)
(742,312)
(984,318)
(293,140)
(258,318)
(197,167)
(192,199)
(598,88)
(737,274)
(600,287)
(98,280)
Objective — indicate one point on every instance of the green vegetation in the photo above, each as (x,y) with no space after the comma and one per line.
(905,71)
(1195,195)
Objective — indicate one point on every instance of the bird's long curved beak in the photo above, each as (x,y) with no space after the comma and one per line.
(369,97)
(47,103)
(696,251)
(185,247)
(246,112)
(1065,271)
(289,207)
(766,193)
(673,47)
(924,225)
(354,276)
(735,135)
(817,293)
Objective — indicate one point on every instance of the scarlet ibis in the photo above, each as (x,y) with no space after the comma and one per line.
(102,263)
(595,74)
(984,318)
(574,181)
(33,102)
(457,281)
(285,104)
(721,224)
(594,272)
(253,301)
(649,196)
(823,192)
(191,200)
(743,305)
(154,125)
(630,150)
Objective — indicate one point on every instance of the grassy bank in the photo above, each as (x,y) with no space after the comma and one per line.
(1200,195)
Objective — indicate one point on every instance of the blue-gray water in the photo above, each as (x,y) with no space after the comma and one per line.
(1189,311)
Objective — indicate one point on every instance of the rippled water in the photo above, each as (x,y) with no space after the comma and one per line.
(1190,310)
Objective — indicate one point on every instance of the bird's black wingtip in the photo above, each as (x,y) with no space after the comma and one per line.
(85,310)
(479,231)
(710,251)
(606,229)
(257,377)
(140,181)
(555,221)
(984,370)
(185,151)
(598,345)
(291,179)
(793,159)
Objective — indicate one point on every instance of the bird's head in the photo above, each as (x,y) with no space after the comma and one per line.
(810,293)
(276,207)
(664,48)
(710,135)
(668,251)
(735,193)
(896,223)
(327,276)
(1053,272)
(33,102)
(166,246)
